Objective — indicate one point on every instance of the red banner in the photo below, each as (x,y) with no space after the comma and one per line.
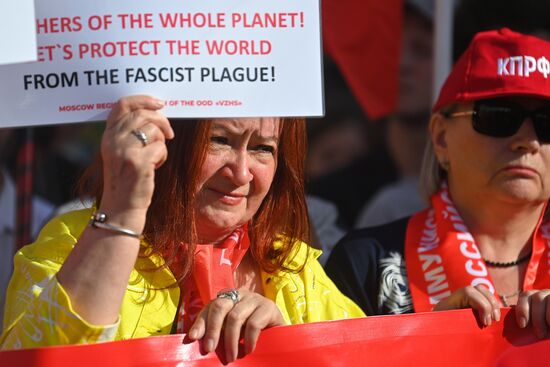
(363,37)
(451,338)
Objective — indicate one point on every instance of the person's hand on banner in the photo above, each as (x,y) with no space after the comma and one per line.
(534,307)
(479,298)
(246,314)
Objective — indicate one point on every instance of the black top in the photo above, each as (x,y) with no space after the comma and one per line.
(368,266)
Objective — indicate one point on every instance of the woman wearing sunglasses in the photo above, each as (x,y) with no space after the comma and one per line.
(484,242)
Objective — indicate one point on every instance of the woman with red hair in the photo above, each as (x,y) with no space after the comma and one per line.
(196,227)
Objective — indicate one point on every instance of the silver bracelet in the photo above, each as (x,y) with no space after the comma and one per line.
(99,220)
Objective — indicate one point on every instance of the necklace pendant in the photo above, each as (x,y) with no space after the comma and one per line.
(504,297)
(504,301)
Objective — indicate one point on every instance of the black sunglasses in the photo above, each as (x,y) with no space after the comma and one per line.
(502,118)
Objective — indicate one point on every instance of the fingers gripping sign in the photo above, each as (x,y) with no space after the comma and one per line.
(133,146)
(478,298)
(534,307)
(232,314)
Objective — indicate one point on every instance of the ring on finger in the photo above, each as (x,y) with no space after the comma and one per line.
(231,294)
(138,133)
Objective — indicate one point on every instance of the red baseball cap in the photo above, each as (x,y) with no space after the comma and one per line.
(499,63)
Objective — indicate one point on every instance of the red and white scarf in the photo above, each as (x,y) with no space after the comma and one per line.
(442,256)
(212,271)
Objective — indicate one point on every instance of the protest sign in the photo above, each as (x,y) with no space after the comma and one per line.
(17,32)
(210,58)
(432,339)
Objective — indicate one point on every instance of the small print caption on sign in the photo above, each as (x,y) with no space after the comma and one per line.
(169,103)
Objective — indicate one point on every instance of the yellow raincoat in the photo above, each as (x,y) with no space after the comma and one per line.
(38,310)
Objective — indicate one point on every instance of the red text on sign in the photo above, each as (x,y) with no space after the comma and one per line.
(240,47)
(118,48)
(59,25)
(136,20)
(192,20)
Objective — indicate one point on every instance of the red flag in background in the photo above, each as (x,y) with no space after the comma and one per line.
(363,37)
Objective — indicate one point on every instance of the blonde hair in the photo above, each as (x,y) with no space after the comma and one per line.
(432,174)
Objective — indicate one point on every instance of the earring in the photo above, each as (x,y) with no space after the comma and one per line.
(445,165)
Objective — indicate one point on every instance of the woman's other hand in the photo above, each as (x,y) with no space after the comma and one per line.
(534,306)
(479,298)
(129,162)
(223,318)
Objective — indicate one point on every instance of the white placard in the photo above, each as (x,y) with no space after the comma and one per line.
(17,32)
(208,58)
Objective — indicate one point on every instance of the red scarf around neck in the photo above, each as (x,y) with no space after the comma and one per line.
(212,271)
(442,256)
